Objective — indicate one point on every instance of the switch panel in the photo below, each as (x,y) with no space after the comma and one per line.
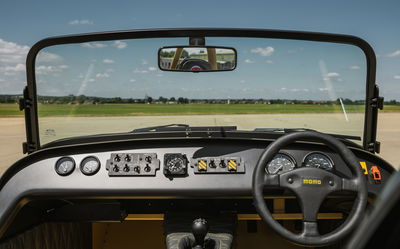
(218,165)
(133,164)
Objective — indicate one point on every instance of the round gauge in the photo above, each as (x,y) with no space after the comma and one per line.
(280,163)
(90,165)
(318,160)
(65,166)
(175,164)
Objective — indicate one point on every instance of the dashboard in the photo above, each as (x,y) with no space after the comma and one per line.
(166,169)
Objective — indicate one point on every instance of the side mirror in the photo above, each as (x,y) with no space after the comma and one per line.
(197,59)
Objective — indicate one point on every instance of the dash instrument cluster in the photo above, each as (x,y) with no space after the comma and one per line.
(284,162)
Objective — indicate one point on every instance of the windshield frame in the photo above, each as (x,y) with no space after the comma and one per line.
(29,101)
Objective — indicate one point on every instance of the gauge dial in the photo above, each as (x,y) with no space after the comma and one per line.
(280,163)
(65,166)
(318,160)
(90,165)
(175,164)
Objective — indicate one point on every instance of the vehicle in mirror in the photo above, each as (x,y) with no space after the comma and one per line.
(197,59)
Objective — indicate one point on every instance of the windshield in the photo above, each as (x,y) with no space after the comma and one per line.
(117,86)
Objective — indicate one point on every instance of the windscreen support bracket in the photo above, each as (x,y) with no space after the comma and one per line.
(26,104)
(375,103)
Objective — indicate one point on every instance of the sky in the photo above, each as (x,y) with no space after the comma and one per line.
(22,23)
(266,68)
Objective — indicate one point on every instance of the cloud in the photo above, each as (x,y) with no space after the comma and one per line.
(132,80)
(17,68)
(93,45)
(80,22)
(394,54)
(267,51)
(248,61)
(45,70)
(152,69)
(140,71)
(396,77)
(11,52)
(332,75)
(108,61)
(48,57)
(119,44)
(284,89)
(102,75)
(91,80)
(269,62)
(145,62)
(354,67)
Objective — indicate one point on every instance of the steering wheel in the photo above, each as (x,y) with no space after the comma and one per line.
(311,186)
(192,64)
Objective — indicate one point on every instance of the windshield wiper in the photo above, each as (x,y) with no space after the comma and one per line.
(290,130)
(188,128)
(184,127)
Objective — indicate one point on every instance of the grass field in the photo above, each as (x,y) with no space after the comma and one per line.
(176,109)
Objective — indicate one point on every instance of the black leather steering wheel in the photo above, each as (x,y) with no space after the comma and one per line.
(311,186)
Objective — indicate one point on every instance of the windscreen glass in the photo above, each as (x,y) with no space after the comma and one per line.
(117,86)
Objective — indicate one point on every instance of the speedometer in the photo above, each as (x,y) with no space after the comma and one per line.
(280,163)
(318,160)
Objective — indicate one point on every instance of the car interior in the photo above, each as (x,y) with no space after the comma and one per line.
(183,186)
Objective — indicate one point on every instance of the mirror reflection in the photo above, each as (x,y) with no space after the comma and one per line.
(197,59)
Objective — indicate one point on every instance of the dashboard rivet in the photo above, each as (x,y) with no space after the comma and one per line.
(331,183)
(290,180)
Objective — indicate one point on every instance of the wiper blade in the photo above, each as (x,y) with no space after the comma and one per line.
(290,130)
(283,130)
(184,127)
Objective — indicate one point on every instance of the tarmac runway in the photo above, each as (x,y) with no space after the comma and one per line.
(12,130)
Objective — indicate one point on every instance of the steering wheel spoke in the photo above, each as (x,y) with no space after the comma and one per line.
(271,180)
(310,229)
(350,185)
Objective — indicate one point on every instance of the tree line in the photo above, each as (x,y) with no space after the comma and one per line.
(82,99)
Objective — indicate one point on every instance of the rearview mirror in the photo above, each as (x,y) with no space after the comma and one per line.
(197,59)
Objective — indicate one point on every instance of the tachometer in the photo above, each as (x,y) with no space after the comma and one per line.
(318,160)
(280,163)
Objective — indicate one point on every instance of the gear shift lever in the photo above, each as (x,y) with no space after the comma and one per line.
(199,230)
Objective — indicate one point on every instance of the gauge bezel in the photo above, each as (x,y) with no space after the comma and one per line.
(62,159)
(181,173)
(86,159)
(303,164)
(283,153)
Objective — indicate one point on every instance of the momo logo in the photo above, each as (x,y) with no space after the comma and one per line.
(312,181)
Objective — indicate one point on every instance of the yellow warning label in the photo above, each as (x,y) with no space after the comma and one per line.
(202,165)
(364,167)
(232,165)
